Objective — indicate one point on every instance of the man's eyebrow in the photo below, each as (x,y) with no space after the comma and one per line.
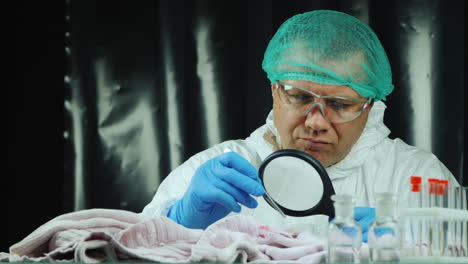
(312,89)
(318,92)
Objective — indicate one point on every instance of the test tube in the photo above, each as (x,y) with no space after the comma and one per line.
(433,187)
(415,224)
(462,204)
(434,248)
(424,247)
(443,224)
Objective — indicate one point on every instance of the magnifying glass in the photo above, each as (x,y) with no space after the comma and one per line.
(297,184)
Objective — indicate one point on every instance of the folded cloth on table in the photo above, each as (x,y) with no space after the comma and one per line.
(110,235)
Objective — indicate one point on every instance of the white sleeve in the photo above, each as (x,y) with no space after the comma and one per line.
(173,187)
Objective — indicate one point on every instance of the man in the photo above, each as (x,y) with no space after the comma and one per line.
(329,74)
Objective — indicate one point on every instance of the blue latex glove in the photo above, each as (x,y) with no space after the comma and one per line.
(364,216)
(216,189)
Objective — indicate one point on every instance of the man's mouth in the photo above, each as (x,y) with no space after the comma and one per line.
(314,143)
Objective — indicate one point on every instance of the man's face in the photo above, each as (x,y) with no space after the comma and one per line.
(328,142)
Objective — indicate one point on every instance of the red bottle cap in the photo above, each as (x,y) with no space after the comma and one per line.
(415,182)
(433,183)
(442,188)
(415,179)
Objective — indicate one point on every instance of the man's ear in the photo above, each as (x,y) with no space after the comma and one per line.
(273,88)
(369,106)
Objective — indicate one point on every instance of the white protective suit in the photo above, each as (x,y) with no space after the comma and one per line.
(375,164)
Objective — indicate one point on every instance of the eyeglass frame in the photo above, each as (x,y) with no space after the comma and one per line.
(366,104)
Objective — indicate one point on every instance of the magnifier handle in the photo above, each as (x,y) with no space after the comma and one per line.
(267,196)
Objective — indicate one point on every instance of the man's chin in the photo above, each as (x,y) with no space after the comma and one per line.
(318,155)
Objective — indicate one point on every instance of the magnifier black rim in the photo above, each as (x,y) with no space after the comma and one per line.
(320,207)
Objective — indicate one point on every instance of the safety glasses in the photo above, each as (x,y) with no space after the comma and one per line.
(335,109)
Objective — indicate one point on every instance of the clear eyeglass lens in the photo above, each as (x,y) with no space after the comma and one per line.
(338,109)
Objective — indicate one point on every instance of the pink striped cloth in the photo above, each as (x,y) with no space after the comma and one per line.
(109,235)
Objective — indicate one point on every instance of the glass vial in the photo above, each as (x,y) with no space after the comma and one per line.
(384,232)
(344,233)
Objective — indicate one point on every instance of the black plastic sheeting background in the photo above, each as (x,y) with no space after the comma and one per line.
(143,85)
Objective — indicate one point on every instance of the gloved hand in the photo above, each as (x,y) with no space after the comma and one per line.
(364,216)
(216,189)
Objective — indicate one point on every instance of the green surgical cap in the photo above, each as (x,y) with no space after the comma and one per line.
(329,47)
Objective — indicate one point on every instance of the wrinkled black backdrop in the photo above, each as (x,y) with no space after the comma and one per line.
(143,85)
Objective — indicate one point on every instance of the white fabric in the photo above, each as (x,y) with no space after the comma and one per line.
(110,235)
(375,164)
